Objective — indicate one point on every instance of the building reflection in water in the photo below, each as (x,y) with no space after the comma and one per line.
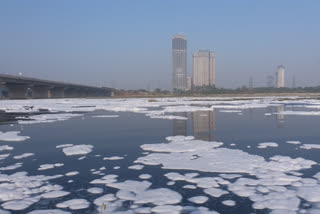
(180,126)
(280,117)
(203,125)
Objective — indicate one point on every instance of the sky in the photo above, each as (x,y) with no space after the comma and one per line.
(127,44)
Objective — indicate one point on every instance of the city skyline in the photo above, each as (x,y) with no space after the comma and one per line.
(179,63)
(94,44)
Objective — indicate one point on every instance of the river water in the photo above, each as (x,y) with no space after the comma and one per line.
(168,155)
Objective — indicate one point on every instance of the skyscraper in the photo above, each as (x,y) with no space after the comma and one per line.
(179,63)
(203,68)
(280,76)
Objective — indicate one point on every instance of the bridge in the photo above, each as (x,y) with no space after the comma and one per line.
(19,87)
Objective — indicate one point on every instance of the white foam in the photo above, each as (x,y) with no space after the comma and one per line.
(6,148)
(64,145)
(230,176)
(11,167)
(198,199)
(95,190)
(25,155)
(4,156)
(267,144)
(215,192)
(48,118)
(304,113)
(73,173)
(12,136)
(54,211)
(229,203)
(136,167)
(77,150)
(168,117)
(294,142)
(167,209)
(105,179)
(105,116)
(74,204)
(113,158)
(310,146)
(55,194)
(145,176)
(189,187)
(50,166)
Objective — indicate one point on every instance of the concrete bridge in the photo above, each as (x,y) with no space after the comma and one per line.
(18,87)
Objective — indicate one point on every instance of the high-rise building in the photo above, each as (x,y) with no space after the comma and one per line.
(179,63)
(203,68)
(189,83)
(280,76)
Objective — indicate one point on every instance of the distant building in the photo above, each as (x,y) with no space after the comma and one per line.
(179,63)
(203,68)
(280,77)
(189,83)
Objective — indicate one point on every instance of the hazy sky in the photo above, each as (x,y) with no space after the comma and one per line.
(127,44)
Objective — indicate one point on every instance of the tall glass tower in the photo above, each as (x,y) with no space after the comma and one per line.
(179,63)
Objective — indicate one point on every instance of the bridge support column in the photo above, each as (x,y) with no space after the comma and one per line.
(56,92)
(39,92)
(16,91)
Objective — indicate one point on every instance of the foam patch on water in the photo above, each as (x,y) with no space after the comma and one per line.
(105,179)
(168,117)
(145,176)
(229,203)
(304,113)
(54,211)
(74,204)
(19,191)
(267,144)
(55,194)
(77,150)
(136,167)
(12,136)
(4,156)
(198,199)
(11,167)
(48,118)
(113,158)
(310,146)
(276,183)
(294,142)
(95,190)
(64,145)
(73,173)
(230,111)
(6,148)
(25,155)
(50,166)
(105,116)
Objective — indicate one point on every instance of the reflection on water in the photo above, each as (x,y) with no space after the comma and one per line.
(203,125)
(280,117)
(180,126)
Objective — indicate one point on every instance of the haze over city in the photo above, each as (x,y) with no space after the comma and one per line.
(127,44)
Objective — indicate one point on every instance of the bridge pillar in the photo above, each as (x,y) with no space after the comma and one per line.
(39,92)
(56,92)
(17,91)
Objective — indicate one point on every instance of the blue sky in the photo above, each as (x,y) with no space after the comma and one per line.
(127,44)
